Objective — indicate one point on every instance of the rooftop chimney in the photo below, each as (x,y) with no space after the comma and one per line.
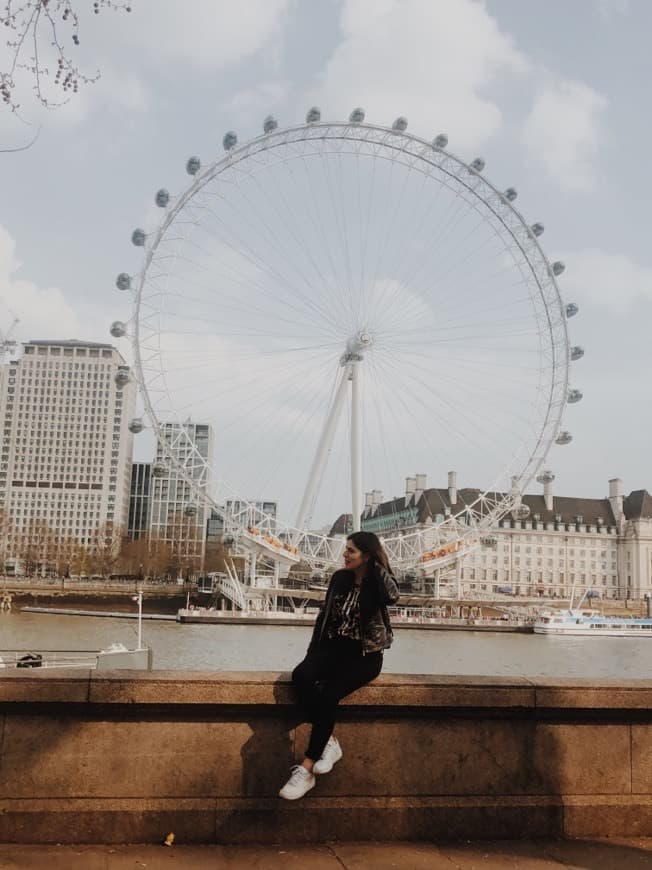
(616,499)
(410,488)
(420,486)
(376,499)
(452,487)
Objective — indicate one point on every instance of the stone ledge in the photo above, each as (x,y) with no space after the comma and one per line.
(275,821)
(272,689)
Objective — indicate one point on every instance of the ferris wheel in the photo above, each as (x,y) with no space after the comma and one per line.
(346,303)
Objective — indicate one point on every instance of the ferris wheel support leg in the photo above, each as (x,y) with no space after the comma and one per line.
(323,449)
(356,448)
(252,568)
(458,579)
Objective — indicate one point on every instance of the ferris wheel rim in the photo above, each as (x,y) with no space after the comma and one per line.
(399,142)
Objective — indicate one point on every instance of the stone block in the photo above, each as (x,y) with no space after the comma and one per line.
(607,816)
(641,758)
(195,688)
(431,756)
(571,694)
(581,758)
(362,819)
(43,686)
(106,821)
(62,756)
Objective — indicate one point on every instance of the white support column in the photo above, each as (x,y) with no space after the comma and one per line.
(436,592)
(458,579)
(356,448)
(323,449)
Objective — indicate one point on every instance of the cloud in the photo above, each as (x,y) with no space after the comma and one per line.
(612,280)
(433,62)
(563,132)
(608,9)
(245,105)
(206,33)
(42,312)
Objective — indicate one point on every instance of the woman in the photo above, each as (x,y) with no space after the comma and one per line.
(345,652)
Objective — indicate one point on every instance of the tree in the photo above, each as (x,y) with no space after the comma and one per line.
(35,28)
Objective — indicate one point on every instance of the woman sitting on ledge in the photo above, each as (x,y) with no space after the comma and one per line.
(345,652)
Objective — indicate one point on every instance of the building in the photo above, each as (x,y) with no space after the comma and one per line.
(140,498)
(563,543)
(65,466)
(180,474)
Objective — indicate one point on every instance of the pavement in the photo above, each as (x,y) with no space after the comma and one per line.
(613,854)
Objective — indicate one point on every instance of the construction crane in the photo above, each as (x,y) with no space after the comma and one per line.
(8,344)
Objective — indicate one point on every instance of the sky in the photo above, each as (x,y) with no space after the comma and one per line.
(554,96)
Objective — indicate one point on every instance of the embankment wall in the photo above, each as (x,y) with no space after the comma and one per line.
(131,756)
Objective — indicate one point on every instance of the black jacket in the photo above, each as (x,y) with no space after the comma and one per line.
(377,591)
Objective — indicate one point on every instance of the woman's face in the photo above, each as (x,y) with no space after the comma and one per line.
(354,558)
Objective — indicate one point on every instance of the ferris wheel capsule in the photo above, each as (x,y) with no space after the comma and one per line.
(122,376)
(159,469)
(313,115)
(521,512)
(270,124)
(357,116)
(136,425)
(510,194)
(190,510)
(537,229)
(193,165)
(138,237)
(571,309)
(229,141)
(477,165)
(557,268)
(123,281)
(400,124)
(574,396)
(440,141)
(546,476)
(118,329)
(162,198)
(564,437)
(576,352)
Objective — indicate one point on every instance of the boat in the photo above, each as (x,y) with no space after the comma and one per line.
(591,623)
(114,657)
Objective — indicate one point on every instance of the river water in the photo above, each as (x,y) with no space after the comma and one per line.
(279,648)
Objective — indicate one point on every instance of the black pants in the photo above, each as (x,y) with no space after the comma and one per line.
(334,670)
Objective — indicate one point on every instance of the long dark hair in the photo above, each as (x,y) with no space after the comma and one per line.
(369,544)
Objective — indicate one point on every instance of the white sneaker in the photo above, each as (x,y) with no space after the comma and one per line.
(300,782)
(331,754)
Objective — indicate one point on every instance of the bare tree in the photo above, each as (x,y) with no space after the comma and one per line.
(34,28)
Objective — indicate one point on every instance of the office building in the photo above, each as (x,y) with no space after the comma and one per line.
(65,466)
(140,498)
(180,474)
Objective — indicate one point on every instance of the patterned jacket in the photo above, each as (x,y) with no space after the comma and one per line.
(377,591)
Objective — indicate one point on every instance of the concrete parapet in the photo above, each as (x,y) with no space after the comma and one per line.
(90,757)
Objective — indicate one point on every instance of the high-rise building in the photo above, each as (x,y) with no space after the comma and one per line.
(179,513)
(65,408)
(140,500)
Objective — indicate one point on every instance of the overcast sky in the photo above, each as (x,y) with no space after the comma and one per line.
(554,96)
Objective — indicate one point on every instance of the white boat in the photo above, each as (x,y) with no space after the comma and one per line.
(591,623)
(115,657)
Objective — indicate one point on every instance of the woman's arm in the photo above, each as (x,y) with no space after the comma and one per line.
(378,589)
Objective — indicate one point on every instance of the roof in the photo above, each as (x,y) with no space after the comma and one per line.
(435,501)
(342,525)
(69,342)
(638,504)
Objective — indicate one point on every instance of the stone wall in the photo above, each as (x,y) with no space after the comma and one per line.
(129,757)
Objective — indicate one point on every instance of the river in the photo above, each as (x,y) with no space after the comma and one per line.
(279,648)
